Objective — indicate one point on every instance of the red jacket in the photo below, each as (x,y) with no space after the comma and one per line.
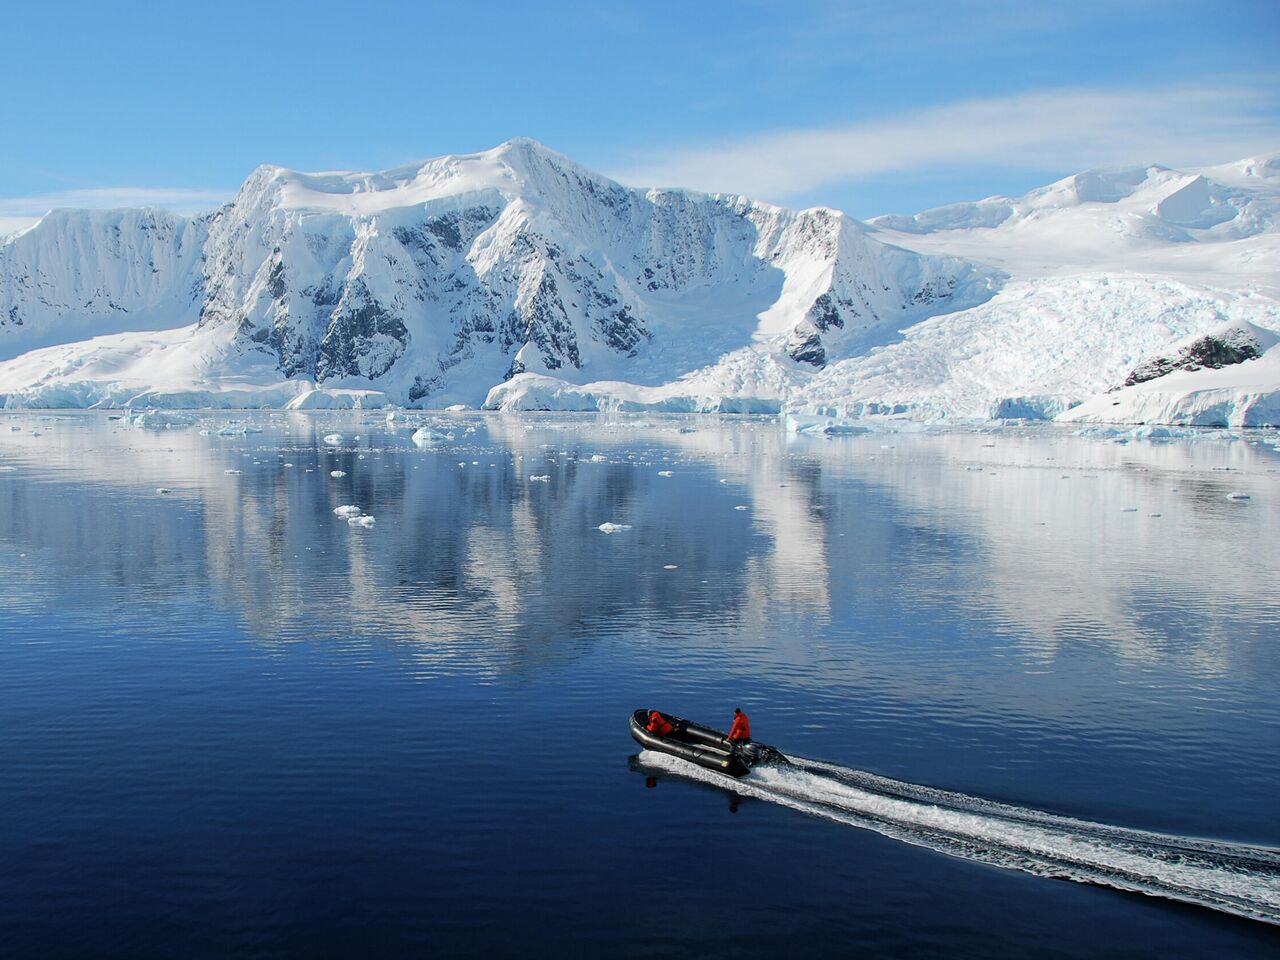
(741,729)
(658,724)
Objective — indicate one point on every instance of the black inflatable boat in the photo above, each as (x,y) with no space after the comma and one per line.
(703,746)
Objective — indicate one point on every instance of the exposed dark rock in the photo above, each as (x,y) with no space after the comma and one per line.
(276,285)
(934,291)
(1234,347)
(805,346)
(363,339)
(825,312)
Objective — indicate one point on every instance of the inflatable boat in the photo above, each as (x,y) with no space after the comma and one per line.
(703,746)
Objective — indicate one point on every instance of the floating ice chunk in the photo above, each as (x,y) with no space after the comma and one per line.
(347,510)
(823,426)
(426,437)
(365,521)
(337,473)
(597,458)
(545,478)
(288,464)
(163,490)
(231,472)
(974,468)
(671,566)
(232,428)
(333,439)
(724,480)
(1238,495)
(664,473)
(613,527)
(164,420)
(455,408)
(741,506)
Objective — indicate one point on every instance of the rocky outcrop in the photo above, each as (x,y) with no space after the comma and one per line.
(1221,348)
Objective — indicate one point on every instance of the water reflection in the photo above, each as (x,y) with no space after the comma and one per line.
(773,543)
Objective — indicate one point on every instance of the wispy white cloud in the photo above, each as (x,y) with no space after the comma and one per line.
(1064,130)
(19,212)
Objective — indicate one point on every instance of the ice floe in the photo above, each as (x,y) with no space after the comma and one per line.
(613,527)
(164,420)
(347,510)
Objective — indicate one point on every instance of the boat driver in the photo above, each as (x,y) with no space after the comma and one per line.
(658,724)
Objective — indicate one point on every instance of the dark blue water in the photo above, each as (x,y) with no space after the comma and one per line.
(232,723)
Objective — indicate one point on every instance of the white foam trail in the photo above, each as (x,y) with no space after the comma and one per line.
(1235,878)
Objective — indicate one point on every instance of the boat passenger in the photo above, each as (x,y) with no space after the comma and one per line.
(740,732)
(658,724)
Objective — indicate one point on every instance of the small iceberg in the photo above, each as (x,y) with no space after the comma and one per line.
(1238,495)
(613,527)
(163,490)
(426,437)
(164,420)
(365,521)
(664,473)
(333,439)
(347,511)
(337,473)
(822,426)
(545,478)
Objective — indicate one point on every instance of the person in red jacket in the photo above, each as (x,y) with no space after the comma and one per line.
(740,732)
(658,724)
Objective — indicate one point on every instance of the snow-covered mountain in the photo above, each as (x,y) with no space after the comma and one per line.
(1104,270)
(517,279)
(430,284)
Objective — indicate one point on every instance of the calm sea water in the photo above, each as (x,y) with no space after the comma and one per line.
(231,723)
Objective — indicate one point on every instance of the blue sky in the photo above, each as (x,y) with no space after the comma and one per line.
(871,107)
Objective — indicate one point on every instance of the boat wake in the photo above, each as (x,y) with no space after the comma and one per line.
(1234,878)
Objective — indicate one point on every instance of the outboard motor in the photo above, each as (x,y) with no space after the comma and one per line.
(757,753)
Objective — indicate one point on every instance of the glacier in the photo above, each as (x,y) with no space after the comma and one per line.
(516,279)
